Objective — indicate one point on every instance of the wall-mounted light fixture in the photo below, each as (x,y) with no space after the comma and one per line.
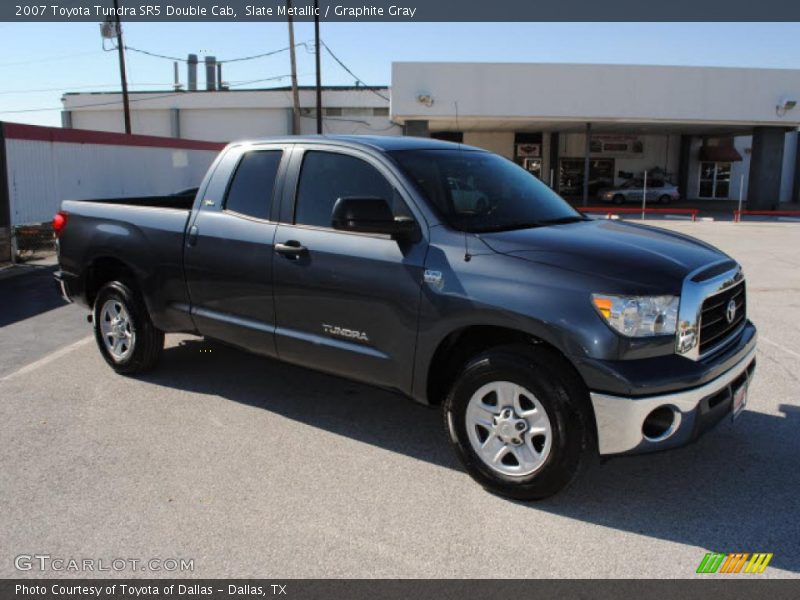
(786,104)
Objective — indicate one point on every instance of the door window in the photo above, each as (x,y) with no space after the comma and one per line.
(601,174)
(715,180)
(327,176)
(250,192)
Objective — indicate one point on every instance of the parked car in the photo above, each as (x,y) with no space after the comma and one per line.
(544,336)
(632,191)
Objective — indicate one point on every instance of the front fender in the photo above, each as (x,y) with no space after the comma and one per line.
(490,289)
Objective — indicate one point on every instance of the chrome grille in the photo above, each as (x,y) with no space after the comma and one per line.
(715,329)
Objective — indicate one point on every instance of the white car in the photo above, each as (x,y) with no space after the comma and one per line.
(631,191)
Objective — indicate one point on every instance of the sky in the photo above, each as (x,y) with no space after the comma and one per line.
(41,61)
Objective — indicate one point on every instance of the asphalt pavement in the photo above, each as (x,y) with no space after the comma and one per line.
(250,467)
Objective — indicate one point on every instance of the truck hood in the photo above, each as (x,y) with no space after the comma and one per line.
(637,255)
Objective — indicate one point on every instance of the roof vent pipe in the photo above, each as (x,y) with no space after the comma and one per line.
(177,83)
(191,64)
(220,85)
(211,73)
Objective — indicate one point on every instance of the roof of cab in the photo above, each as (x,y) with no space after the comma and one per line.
(383,143)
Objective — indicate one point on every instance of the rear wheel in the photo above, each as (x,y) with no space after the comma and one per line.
(519,422)
(125,335)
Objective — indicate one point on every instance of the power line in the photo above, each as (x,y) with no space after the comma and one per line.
(114,102)
(221,60)
(49,59)
(356,77)
(77,87)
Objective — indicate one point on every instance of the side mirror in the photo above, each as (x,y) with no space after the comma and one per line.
(370,215)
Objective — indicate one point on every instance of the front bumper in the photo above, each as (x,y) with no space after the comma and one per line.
(620,420)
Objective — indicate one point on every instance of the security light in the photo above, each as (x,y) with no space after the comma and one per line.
(784,105)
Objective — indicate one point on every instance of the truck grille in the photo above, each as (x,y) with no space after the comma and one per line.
(714,325)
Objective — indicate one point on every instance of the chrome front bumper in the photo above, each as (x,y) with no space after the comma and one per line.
(620,420)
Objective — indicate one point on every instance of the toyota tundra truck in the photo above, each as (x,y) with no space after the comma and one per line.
(545,337)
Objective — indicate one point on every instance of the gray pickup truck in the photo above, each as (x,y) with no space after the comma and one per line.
(545,336)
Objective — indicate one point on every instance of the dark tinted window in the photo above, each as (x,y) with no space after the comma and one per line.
(327,176)
(250,192)
(480,191)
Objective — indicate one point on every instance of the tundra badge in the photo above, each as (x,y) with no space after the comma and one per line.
(352,334)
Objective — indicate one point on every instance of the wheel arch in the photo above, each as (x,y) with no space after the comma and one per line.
(103,269)
(461,344)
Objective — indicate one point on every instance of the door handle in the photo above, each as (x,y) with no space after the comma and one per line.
(291,249)
(191,238)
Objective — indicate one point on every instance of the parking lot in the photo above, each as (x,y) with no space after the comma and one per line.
(255,468)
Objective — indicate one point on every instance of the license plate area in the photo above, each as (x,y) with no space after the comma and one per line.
(739,400)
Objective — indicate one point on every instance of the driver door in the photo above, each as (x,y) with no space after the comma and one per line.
(346,303)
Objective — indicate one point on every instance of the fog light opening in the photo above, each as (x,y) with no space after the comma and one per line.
(661,423)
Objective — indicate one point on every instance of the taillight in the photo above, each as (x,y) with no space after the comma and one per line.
(59,223)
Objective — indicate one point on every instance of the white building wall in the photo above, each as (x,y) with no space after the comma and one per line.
(42,174)
(597,93)
(234,115)
(499,142)
(229,125)
(151,122)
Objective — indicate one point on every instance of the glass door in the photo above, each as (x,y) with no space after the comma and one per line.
(715,180)
(533,165)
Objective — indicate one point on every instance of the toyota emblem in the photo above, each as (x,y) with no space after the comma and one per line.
(730,312)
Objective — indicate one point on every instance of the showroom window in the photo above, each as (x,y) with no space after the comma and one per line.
(715,180)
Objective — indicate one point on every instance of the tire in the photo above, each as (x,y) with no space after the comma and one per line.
(619,199)
(665,199)
(125,335)
(564,440)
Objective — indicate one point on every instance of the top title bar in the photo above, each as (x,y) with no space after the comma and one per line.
(403,10)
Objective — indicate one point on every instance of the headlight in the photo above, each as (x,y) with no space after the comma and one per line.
(639,316)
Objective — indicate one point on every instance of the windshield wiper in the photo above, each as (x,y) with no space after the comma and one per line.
(562,220)
(533,224)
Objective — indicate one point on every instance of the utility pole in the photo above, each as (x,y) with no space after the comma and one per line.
(319,76)
(121,50)
(293,60)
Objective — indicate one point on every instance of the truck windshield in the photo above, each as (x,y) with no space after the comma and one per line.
(480,192)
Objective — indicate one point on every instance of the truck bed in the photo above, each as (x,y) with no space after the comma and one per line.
(146,234)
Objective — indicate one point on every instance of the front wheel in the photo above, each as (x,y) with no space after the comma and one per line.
(125,335)
(519,422)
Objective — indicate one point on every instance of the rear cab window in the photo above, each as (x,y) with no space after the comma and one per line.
(251,189)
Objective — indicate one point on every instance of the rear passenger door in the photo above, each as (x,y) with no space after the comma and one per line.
(346,303)
(228,256)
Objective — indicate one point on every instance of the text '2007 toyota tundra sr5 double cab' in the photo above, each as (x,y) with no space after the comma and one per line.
(441,271)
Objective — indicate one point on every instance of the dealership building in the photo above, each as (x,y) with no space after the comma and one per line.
(716,133)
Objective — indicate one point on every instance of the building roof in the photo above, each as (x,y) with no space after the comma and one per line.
(284,88)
